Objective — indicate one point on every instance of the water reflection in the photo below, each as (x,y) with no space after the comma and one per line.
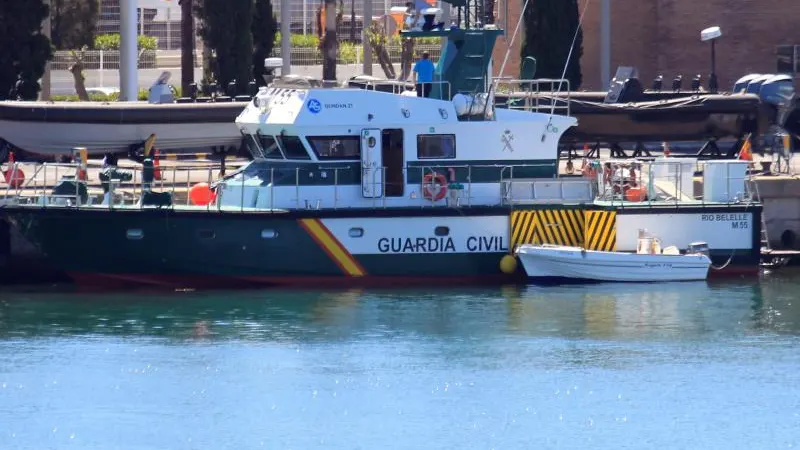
(604,312)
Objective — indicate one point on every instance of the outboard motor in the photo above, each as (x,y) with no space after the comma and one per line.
(754,86)
(777,90)
(741,84)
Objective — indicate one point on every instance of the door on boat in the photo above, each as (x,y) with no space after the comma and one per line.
(393,162)
(371,163)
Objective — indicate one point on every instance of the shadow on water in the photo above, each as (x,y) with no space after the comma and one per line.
(667,311)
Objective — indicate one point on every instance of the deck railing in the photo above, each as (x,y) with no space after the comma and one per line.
(56,185)
(544,95)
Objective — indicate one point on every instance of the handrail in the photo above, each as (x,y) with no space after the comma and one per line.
(508,179)
(399,88)
(537,99)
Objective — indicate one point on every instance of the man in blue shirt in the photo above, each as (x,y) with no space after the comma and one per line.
(423,75)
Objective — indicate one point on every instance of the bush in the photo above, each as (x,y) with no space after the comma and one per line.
(106,98)
(113,42)
(298,40)
(431,40)
(347,53)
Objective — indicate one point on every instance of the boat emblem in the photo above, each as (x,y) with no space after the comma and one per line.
(406,113)
(314,106)
(507,138)
(443,113)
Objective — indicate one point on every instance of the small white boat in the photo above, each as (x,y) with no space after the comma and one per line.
(648,264)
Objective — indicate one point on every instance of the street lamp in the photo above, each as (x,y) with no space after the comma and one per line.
(712,34)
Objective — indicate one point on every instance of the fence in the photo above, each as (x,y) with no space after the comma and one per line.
(151,59)
(162,18)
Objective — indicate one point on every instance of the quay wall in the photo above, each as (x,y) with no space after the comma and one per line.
(780,196)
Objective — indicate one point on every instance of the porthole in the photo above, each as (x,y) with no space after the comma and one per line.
(356,232)
(134,234)
(441,231)
(268,233)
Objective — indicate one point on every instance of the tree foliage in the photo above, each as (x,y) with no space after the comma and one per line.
(225,25)
(264,29)
(73,23)
(24,50)
(550,26)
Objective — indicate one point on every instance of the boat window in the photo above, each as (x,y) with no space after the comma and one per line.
(269,147)
(336,147)
(134,234)
(356,232)
(293,147)
(253,147)
(441,231)
(436,146)
(268,233)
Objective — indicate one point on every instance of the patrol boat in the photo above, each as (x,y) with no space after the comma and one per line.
(357,186)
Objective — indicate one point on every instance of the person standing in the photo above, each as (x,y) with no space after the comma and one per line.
(423,75)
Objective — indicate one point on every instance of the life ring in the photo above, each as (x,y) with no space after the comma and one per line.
(428,182)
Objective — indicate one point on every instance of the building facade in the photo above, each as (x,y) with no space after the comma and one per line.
(662,37)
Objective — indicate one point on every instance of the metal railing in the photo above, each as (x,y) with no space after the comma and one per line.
(57,185)
(614,184)
(400,87)
(545,95)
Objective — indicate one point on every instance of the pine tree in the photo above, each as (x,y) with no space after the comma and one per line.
(330,44)
(226,27)
(24,50)
(550,26)
(73,23)
(263,29)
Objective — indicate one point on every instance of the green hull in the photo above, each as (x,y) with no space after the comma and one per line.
(198,248)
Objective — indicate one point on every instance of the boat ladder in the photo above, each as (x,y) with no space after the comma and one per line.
(755,195)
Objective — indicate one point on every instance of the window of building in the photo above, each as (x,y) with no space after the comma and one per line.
(336,147)
(293,147)
(269,147)
(436,146)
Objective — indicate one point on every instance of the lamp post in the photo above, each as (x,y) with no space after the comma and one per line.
(712,34)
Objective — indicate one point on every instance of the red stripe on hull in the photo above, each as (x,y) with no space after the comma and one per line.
(201,281)
(217,282)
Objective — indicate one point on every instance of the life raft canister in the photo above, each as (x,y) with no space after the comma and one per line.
(429,182)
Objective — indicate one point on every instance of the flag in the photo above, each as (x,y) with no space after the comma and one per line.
(746,152)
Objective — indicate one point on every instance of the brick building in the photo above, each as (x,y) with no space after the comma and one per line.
(663,37)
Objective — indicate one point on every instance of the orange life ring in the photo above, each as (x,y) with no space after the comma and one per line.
(427,183)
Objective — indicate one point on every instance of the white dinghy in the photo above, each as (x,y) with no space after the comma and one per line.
(648,264)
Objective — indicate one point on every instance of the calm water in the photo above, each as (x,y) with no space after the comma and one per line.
(689,366)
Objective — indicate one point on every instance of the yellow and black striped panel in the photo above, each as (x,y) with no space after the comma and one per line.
(601,230)
(523,226)
(549,226)
(561,226)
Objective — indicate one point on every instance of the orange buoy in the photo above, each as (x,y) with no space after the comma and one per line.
(201,194)
(635,194)
(14,178)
